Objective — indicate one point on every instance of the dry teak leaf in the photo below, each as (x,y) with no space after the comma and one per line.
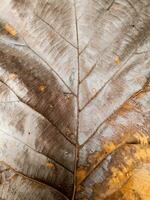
(76,123)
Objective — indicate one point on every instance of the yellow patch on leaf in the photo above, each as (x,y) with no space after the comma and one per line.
(142,138)
(117,176)
(117,60)
(135,186)
(109,146)
(8,28)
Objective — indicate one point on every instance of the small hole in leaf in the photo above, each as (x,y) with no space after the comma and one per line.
(51,106)
(12,76)
(94,90)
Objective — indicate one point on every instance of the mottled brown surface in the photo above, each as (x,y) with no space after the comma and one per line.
(75,100)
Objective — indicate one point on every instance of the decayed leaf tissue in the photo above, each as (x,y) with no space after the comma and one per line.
(74,100)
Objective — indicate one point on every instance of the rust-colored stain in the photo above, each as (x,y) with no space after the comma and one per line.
(117,60)
(50,165)
(140,95)
(81,174)
(42,88)
(127,106)
(11,30)
(117,176)
(142,138)
(95,157)
(138,185)
(142,154)
(109,146)
(12,76)
(78,188)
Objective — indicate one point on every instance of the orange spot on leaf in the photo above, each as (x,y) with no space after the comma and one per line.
(117,60)
(95,157)
(8,28)
(42,88)
(50,165)
(127,106)
(109,146)
(81,174)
